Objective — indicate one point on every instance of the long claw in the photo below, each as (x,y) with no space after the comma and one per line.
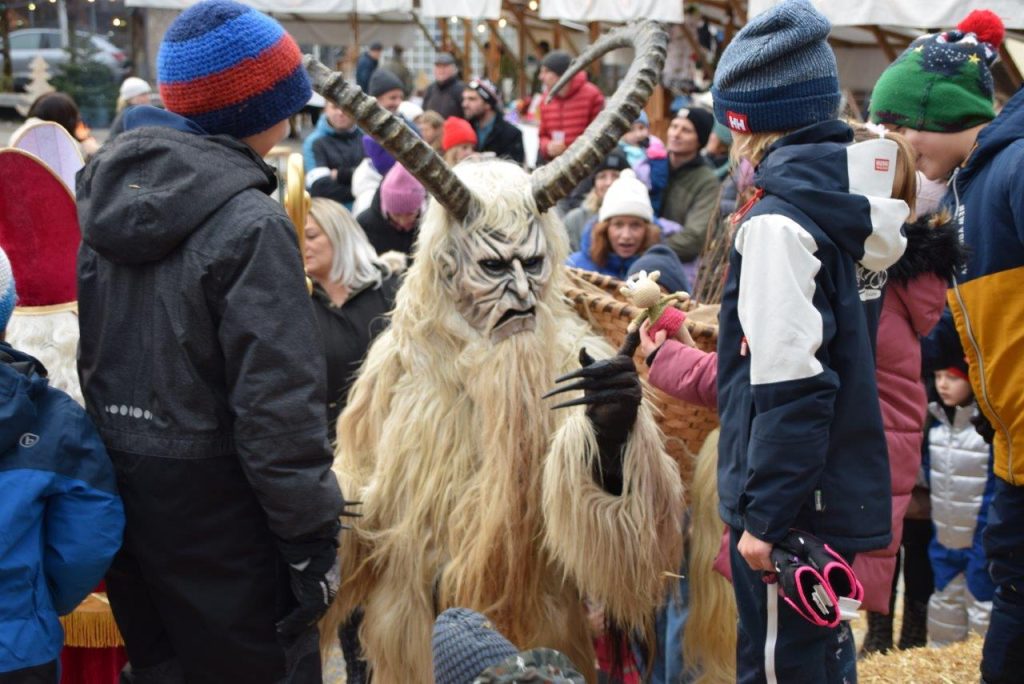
(592,371)
(582,384)
(596,398)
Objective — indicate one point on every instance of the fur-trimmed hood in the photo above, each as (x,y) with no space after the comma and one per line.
(933,246)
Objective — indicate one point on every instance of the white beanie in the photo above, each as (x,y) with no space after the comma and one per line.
(133,86)
(627,196)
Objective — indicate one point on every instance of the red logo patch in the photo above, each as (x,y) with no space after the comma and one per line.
(737,122)
(882,165)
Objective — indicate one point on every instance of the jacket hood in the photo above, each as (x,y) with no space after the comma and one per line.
(22,381)
(1005,129)
(844,188)
(139,198)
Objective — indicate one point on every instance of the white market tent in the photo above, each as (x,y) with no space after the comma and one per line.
(867,34)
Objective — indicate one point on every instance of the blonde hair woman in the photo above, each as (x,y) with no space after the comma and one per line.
(353,291)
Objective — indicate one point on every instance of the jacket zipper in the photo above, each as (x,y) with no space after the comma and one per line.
(977,352)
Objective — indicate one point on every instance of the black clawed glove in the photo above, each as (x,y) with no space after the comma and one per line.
(612,394)
(313,570)
(984,428)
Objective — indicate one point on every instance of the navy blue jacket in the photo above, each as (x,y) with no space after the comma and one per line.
(61,520)
(802,443)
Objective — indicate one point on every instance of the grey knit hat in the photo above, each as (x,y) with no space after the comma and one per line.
(383,81)
(778,73)
(465,644)
(557,60)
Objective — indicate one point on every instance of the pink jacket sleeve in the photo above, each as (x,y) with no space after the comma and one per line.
(686,373)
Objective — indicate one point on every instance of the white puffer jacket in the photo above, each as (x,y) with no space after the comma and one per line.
(959,471)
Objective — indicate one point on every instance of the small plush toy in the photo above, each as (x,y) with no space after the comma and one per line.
(643,291)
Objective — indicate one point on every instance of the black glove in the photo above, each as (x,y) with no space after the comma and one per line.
(984,428)
(612,394)
(313,571)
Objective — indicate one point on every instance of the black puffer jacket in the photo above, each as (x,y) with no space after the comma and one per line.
(347,332)
(198,338)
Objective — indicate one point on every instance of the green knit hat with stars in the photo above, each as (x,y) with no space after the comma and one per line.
(943,82)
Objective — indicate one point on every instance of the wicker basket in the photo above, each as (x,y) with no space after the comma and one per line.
(597,299)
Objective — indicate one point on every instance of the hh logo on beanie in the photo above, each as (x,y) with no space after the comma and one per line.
(737,122)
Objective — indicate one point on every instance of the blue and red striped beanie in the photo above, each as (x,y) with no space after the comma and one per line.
(231,69)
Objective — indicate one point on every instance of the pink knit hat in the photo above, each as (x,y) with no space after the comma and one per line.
(400,192)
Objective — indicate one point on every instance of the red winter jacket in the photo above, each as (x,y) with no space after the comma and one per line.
(570,111)
(909,311)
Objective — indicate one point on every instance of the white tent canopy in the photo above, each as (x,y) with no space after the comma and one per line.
(913,14)
(296,7)
(617,11)
(476,9)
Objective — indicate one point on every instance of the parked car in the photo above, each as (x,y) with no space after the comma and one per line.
(47,43)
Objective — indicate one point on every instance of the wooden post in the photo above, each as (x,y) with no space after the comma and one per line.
(446,41)
(519,57)
(595,68)
(494,55)
(1011,67)
(355,34)
(657,112)
(556,41)
(883,42)
(467,47)
(5,45)
(427,33)
(524,85)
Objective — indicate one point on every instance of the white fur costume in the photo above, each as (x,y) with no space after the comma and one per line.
(474,491)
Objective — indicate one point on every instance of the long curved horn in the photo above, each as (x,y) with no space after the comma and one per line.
(557,179)
(397,138)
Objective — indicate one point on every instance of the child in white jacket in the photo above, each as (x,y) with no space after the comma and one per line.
(961,486)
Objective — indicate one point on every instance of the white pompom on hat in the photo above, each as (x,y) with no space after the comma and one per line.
(627,196)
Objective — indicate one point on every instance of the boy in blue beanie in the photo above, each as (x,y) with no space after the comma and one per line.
(60,516)
(802,445)
(196,365)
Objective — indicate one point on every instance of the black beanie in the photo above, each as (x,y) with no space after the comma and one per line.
(557,60)
(703,122)
(383,81)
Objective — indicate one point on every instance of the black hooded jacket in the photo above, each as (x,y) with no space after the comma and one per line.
(198,338)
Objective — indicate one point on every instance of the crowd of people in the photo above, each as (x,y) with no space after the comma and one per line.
(252,467)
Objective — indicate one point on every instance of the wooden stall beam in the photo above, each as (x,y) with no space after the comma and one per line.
(467,47)
(595,33)
(883,42)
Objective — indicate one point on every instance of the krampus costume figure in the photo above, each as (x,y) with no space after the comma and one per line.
(475,492)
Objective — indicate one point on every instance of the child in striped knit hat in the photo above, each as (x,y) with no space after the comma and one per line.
(200,366)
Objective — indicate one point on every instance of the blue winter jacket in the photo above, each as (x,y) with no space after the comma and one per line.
(61,519)
(802,443)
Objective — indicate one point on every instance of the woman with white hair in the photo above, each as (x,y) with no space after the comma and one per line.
(352,293)
(133,92)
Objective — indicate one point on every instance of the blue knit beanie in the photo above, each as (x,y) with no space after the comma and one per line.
(7,293)
(465,644)
(231,69)
(778,73)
